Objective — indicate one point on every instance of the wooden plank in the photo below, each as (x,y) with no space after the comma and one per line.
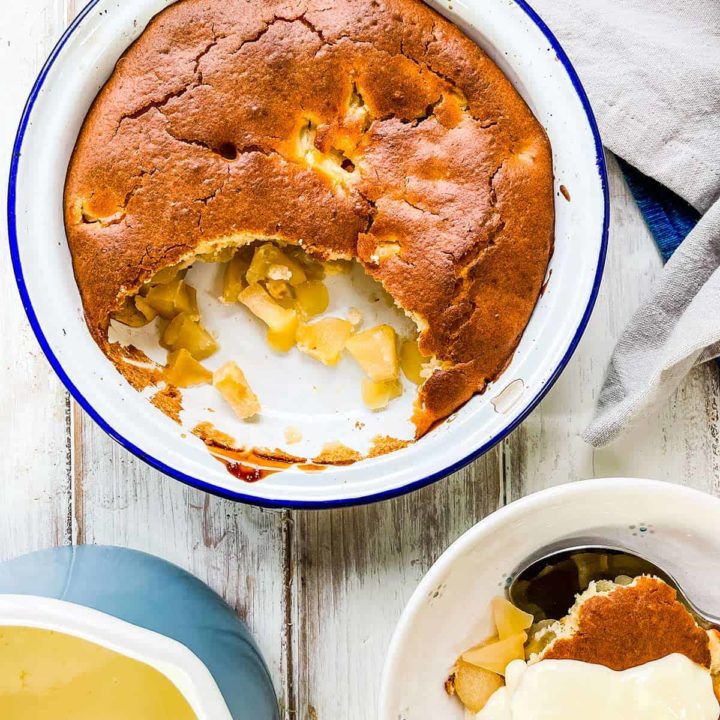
(354,571)
(679,443)
(35,461)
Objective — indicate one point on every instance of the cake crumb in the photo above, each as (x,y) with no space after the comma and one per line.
(292,435)
(335,453)
(210,435)
(169,401)
(450,685)
(355,316)
(385,444)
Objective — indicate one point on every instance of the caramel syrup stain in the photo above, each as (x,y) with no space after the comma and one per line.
(246,473)
(253,464)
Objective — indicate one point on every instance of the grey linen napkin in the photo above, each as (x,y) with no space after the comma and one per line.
(652,71)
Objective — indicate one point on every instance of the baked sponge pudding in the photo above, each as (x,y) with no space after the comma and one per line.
(364,130)
(632,626)
(622,626)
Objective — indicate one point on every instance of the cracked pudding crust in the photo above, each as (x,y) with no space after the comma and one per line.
(365,129)
(623,627)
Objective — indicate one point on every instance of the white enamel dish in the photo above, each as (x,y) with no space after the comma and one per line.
(295,392)
(449,611)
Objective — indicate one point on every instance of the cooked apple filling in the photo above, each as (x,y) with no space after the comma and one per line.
(282,322)
(233,386)
(479,671)
(183,370)
(284,289)
(185,333)
(325,340)
(376,352)
(377,394)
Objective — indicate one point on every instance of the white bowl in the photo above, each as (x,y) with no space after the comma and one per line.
(83,59)
(449,611)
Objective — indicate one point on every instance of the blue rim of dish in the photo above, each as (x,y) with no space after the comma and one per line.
(299,504)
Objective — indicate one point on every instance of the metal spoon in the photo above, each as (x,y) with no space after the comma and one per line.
(546,583)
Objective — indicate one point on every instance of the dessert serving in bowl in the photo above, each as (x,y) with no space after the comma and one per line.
(340,250)
(629,644)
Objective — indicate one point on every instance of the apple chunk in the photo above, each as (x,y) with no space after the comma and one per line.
(325,339)
(172,299)
(473,685)
(312,298)
(230,381)
(183,370)
(509,620)
(412,361)
(377,395)
(131,314)
(282,322)
(376,352)
(270,262)
(496,656)
(234,278)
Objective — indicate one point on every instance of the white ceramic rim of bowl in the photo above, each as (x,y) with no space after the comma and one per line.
(181,666)
(507,516)
(340,496)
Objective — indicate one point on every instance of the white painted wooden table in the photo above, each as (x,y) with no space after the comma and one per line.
(321,591)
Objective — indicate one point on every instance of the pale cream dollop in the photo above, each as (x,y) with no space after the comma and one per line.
(673,688)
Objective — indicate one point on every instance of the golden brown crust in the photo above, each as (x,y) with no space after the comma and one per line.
(134,365)
(385,444)
(335,453)
(631,626)
(169,401)
(425,164)
(210,435)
